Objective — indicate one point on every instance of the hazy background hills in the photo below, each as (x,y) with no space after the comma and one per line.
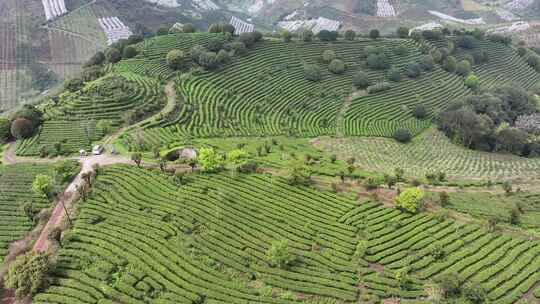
(36,54)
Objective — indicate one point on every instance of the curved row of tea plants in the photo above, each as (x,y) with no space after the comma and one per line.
(431,152)
(16,190)
(142,238)
(74,122)
(506,268)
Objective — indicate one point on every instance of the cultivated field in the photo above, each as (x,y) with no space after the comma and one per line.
(141,238)
(431,152)
(15,190)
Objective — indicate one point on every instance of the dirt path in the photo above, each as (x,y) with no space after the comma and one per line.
(340,119)
(70,195)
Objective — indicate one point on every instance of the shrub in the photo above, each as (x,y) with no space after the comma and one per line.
(467,42)
(228,28)
(450,64)
(215,44)
(208,60)
(129,52)
(286,36)
(428,63)
(411,200)
(326,35)
(337,66)
(113,55)
(402,135)
(5,131)
(361,80)
(394,75)
(27,275)
(444,198)
(472,81)
(239,48)
(188,28)
(378,61)
(379,87)
(22,128)
(209,160)
(312,72)
(215,28)
(278,254)
(449,284)
(350,35)
(175,59)
(307,35)
(413,70)
(402,32)
(420,112)
(328,56)
(463,68)
(97,59)
(299,176)
(371,183)
(247,38)
(374,34)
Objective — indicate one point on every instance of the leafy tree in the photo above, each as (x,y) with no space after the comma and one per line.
(278,254)
(515,215)
(437,56)
(512,140)
(444,198)
(307,35)
(215,28)
(390,180)
(449,284)
(467,42)
(196,52)
(257,36)
(463,68)
(472,81)
(378,61)
(394,75)
(534,61)
(522,51)
(361,80)
(402,135)
(223,57)
(299,175)
(237,157)
(475,293)
(402,32)
(312,72)
(215,44)
(400,174)
(175,59)
(208,60)
(5,130)
(188,28)
(286,36)
(248,39)
(137,158)
(27,275)
(374,34)
(337,66)
(350,35)
(104,126)
(428,63)
(129,52)
(73,84)
(228,28)
(97,59)
(29,112)
(43,185)
(22,128)
(379,87)
(326,35)
(328,56)
(27,209)
(209,160)
(411,199)
(420,111)
(450,64)
(113,55)
(64,171)
(239,48)
(413,70)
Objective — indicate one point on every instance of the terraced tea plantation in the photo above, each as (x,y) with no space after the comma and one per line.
(15,190)
(74,122)
(428,153)
(142,238)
